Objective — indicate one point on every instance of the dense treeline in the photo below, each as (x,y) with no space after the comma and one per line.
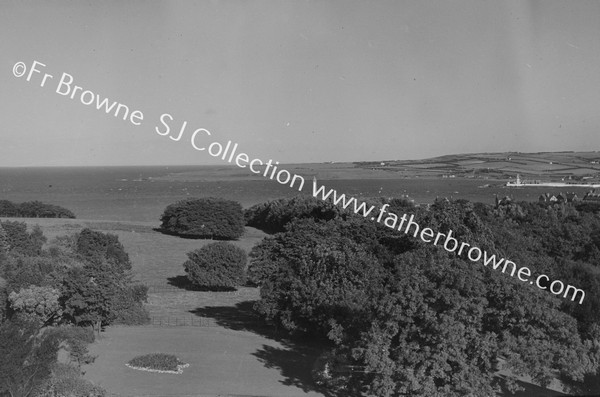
(33,209)
(404,317)
(272,216)
(208,217)
(52,294)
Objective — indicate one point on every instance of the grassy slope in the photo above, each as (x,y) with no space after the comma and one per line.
(235,355)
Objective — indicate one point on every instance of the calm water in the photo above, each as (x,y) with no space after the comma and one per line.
(130,193)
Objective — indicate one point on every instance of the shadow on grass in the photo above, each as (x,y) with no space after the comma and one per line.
(295,363)
(294,359)
(530,390)
(240,317)
(184,283)
(193,236)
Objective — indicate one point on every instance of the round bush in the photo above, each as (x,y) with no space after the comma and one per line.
(158,362)
(209,217)
(216,266)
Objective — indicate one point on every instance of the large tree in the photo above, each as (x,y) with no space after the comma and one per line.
(37,304)
(209,217)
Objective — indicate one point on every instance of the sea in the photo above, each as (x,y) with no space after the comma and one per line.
(142,193)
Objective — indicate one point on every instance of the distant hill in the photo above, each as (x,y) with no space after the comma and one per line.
(547,166)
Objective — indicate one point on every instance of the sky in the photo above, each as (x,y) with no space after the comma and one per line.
(297,81)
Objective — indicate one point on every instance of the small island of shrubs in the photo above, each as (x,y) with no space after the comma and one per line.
(158,362)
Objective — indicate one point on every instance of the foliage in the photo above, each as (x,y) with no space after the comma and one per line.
(209,217)
(216,265)
(88,296)
(128,308)
(272,216)
(66,381)
(157,361)
(4,244)
(37,303)
(33,209)
(320,283)
(26,358)
(405,317)
(75,340)
(23,271)
(102,248)
(99,290)
(22,242)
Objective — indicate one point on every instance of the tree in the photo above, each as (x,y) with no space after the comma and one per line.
(22,242)
(315,280)
(88,296)
(216,265)
(33,209)
(102,248)
(37,303)
(209,217)
(26,358)
(273,216)
(24,271)
(4,244)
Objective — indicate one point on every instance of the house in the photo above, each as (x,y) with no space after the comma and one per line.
(559,198)
(503,201)
(572,197)
(592,196)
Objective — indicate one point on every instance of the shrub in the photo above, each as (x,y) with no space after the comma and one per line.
(216,265)
(209,217)
(22,242)
(157,362)
(97,247)
(66,381)
(75,341)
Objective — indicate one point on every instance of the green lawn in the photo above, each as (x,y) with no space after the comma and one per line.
(221,362)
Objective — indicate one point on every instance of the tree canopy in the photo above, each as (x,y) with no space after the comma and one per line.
(33,209)
(209,217)
(409,318)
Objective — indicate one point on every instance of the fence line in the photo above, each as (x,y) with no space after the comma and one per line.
(181,321)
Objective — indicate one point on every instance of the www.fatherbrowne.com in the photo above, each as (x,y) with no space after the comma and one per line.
(450,244)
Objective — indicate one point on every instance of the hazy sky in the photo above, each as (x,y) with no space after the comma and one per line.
(299,81)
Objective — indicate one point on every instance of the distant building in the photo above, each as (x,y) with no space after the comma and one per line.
(572,197)
(503,201)
(559,198)
(592,196)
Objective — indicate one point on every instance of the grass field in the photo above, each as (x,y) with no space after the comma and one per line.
(222,362)
(235,355)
